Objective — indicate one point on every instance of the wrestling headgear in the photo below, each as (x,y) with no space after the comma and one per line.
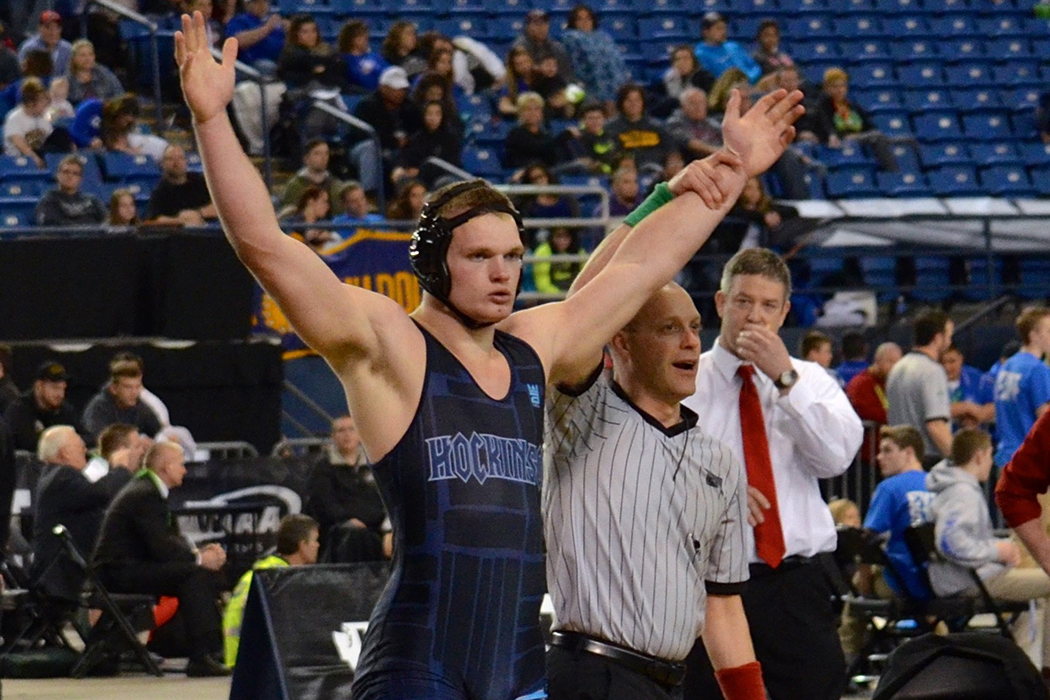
(428,251)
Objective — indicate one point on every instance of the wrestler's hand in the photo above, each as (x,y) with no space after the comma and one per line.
(756,503)
(761,135)
(760,346)
(707,179)
(206,84)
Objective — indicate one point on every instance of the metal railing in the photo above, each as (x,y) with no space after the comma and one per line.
(228,449)
(150,26)
(858,482)
(364,126)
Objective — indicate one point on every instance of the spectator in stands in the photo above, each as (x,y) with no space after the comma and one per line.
(641,136)
(718,97)
(10,69)
(120,129)
(123,212)
(119,445)
(26,128)
(306,62)
(767,53)
(41,407)
(343,497)
(844,512)
(625,192)
(546,206)
(66,205)
(854,356)
(597,62)
(557,277)
(818,347)
(314,173)
(313,206)
(399,48)
(212,26)
(972,400)
(119,402)
(766,219)
(297,545)
(867,394)
(393,117)
(49,38)
(552,88)
(536,40)
(140,550)
(519,81)
(840,120)
(260,35)
(432,86)
(181,197)
(530,141)
(1022,387)
(435,140)
(59,108)
(356,207)
(64,496)
(598,150)
(363,65)
(89,79)
(153,401)
(790,78)
(716,55)
(408,204)
(690,126)
(36,65)
(917,387)
(685,72)
(8,390)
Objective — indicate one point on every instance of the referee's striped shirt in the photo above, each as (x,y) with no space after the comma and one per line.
(640,520)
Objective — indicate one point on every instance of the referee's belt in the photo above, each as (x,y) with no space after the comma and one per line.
(787,564)
(667,673)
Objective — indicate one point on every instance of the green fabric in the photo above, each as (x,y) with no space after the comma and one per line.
(552,278)
(660,196)
(231,619)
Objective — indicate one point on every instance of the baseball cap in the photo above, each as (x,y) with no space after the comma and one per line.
(537,16)
(48,16)
(394,77)
(710,19)
(52,371)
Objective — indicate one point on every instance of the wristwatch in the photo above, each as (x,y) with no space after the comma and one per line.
(786,380)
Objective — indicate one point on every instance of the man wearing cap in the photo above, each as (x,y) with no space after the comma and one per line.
(392,116)
(41,407)
(718,55)
(449,406)
(49,38)
(536,40)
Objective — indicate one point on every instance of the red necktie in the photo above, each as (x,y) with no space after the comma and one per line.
(769,538)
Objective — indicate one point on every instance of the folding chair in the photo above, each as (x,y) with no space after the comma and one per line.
(958,611)
(113,631)
(43,617)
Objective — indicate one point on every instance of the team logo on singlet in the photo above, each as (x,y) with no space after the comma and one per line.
(483,457)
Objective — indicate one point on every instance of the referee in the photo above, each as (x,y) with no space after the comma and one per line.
(646,521)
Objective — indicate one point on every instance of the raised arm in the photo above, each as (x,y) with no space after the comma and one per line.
(335,319)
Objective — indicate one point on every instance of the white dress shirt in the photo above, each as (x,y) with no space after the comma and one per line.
(813,433)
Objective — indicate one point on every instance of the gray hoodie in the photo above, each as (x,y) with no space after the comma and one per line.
(963,531)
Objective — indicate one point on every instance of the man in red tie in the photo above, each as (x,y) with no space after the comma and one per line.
(790,424)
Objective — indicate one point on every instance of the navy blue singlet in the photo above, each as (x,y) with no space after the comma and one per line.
(459,617)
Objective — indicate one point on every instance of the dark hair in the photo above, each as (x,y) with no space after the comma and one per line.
(591,106)
(766,24)
(38,64)
(399,208)
(312,144)
(113,438)
(904,436)
(538,164)
(625,90)
(297,23)
(293,529)
(928,324)
(440,104)
(854,346)
(350,31)
(967,443)
(391,48)
(512,75)
(574,12)
(811,341)
(308,195)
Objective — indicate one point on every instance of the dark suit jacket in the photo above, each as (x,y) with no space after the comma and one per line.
(64,496)
(139,530)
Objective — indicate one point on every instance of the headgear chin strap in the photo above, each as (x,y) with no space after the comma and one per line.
(428,251)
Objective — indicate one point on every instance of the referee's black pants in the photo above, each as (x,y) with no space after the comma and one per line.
(793,628)
(580,675)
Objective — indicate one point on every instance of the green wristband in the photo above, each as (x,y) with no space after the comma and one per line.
(661,195)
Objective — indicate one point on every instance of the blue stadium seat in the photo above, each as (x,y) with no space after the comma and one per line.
(910,50)
(810,26)
(855,5)
(892,123)
(903,184)
(995,153)
(1007,181)
(932,278)
(848,155)
(511,8)
(367,8)
(463,25)
(17,212)
(420,7)
(506,27)
(936,155)
(1041,43)
(921,75)
(907,26)
(1017,74)
(807,51)
(1035,154)
(968,75)
(671,6)
(605,7)
(877,100)
(1021,99)
(942,7)
(866,50)
(980,277)
(1025,125)
(951,25)
(664,26)
(977,100)
(852,182)
(1000,25)
(21,168)
(937,127)
(1035,277)
(856,27)
(1009,49)
(483,162)
(15,189)
(987,126)
(955,181)
(881,272)
(958,50)
(489,132)
(907,157)
(622,27)
(119,167)
(891,7)
(1041,179)
(873,75)
(926,100)
(747,7)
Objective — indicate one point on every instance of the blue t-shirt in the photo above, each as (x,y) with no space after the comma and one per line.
(1022,386)
(850,369)
(87,122)
(718,59)
(364,70)
(900,502)
(267,49)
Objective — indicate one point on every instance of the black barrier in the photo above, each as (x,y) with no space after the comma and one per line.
(292,621)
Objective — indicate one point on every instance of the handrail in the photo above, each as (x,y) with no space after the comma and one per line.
(988,309)
(153,28)
(448,167)
(307,401)
(363,126)
(261,80)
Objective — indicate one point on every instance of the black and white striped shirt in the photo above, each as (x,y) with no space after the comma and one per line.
(641,521)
